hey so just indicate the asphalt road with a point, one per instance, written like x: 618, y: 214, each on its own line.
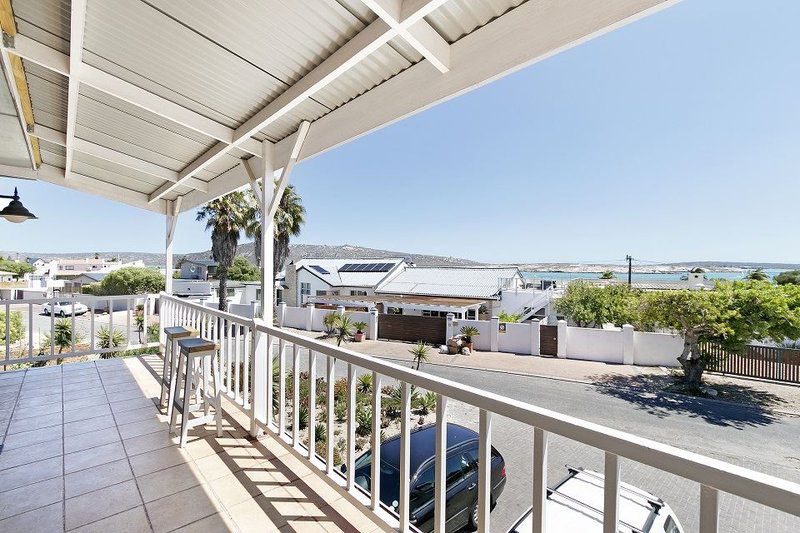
x: 741, y: 435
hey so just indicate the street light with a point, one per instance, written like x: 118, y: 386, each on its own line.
x: 15, y: 212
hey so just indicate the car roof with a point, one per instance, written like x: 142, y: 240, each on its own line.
x: 423, y: 444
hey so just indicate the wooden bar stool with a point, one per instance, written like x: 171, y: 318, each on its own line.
x: 172, y: 335
x: 201, y: 382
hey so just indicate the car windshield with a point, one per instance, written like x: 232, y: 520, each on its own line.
x: 62, y: 303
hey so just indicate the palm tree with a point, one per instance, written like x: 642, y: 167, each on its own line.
x: 110, y: 338
x: 62, y: 337
x: 344, y: 329
x: 225, y: 217
x: 289, y: 219
x: 420, y: 353
x: 757, y: 275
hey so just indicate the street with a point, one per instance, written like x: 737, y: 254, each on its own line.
x: 741, y: 435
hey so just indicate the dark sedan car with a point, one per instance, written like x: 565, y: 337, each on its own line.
x: 462, y: 476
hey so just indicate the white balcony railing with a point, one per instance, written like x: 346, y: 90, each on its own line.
x: 28, y: 335
x: 248, y: 348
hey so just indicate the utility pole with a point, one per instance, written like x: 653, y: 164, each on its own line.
x: 629, y: 259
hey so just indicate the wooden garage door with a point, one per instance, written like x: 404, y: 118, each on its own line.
x: 548, y: 340
x: 429, y: 329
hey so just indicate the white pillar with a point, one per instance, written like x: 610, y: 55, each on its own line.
x: 449, y: 330
x: 281, y: 314
x: 172, y: 221
x: 261, y: 364
x: 562, y: 339
x: 267, y: 232
x: 627, y: 345
x: 535, y: 337
x: 372, y: 333
x: 339, y: 309
x: 309, y: 317
x: 494, y: 334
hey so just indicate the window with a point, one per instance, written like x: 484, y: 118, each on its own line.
x: 230, y: 292
x: 69, y: 267
x: 305, y: 289
x: 358, y: 293
x: 670, y: 526
x: 443, y: 314
x: 471, y: 314
x: 422, y: 492
x: 394, y: 311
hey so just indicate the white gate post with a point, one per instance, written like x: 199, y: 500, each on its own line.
x: 281, y: 314
x: 627, y: 345
x: 372, y: 330
x: 339, y: 309
x: 535, y: 337
x: 309, y: 317
x: 449, y: 330
x: 494, y: 334
x: 260, y: 360
x: 562, y: 339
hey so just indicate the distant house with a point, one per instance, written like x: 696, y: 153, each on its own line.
x: 311, y: 277
x: 201, y: 269
x: 76, y: 284
x: 6, y: 276
x: 36, y: 262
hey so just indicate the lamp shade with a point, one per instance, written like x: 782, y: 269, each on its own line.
x: 15, y: 211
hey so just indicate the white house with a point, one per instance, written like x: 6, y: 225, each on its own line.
x: 347, y: 277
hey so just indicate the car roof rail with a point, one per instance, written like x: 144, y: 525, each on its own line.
x: 657, y: 504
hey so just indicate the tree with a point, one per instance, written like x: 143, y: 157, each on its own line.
x: 419, y: 353
x: 344, y: 329
x: 225, y: 217
x: 109, y: 338
x: 243, y: 270
x: 590, y: 306
x: 607, y: 274
x: 508, y: 317
x: 732, y: 315
x: 127, y: 280
x: 289, y: 219
x: 62, y: 337
x: 757, y: 275
x: 16, y: 328
x: 18, y: 268
x: 790, y: 277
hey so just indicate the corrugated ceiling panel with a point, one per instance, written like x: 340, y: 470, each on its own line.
x: 457, y: 18
x: 114, y: 178
x: 288, y: 123
x: 131, y: 125
x: 46, y: 21
x: 376, y: 68
x: 48, y: 95
x: 53, y: 154
x: 146, y: 181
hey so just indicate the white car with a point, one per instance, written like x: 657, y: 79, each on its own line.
x: 64, y: 308
x: 576, y: 504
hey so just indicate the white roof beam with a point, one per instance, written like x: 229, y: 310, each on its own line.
x: 299, y: 140
x: 251, y: 176
x: 107, y: 154
x: 349, y: 55
x: 85, y: 184
x: 8, y: 70
x: 77, y: 22
x: 517, y: 39
x: 415, y: 31
x: 52, y: 59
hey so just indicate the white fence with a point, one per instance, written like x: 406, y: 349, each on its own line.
x: 311, y: 319
x: 29, y: 335
x: 250, y: 347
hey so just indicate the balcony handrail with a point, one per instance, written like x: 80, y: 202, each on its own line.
x: 712, y: 474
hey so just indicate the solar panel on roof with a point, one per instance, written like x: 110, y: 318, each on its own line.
x: 366, y: 267
x: 319, y: 269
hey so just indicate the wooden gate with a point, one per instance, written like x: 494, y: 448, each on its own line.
x: 766, y: 362
x: 429, y: 329
x: 548, y: 340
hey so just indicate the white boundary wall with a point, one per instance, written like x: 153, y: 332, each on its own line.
x: 311, y: 319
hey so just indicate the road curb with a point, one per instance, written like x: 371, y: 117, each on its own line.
x: 587, y: 382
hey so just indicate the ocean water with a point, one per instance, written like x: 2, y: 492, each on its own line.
x: 660, y: 276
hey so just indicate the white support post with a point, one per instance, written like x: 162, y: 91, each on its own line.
x: 282, y: 314
x: 484, y: 470
x: 309, y: 317
x: 372, y: 333
x: 440, y: 496
x: 494, y: 334
x: 628, y: 355
x: 405, y: 458
x: 267, y: 233
x: 261, y: 367
x: 173, y: 209
x: 77, y: 20
x: 709, y: 509
x: 449, y: 327
x: 535, y: 337
x: 611, y: 494
x: 562, y: 339
x: 539, y: 480
x: 375, y: 502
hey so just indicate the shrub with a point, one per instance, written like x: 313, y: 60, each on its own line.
x: 363, y: 421
x: 108, y: 338
x: 364, y: 385
x: 426, y: 403
x: 128, y: 280
x: 329, y: 323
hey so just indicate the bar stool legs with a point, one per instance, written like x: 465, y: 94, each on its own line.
x: 200, y: 381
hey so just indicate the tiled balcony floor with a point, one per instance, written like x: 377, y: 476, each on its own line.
x: 86, y: 449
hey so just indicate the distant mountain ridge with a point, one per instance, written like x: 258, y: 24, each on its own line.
x: 296, y: 251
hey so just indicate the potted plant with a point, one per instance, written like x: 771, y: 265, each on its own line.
x: 360, y: 329
x: 468, y: 333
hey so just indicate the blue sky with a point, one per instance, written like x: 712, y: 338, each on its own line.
x: 674, y: 138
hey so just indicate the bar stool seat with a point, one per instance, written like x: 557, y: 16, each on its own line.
x: 172, y: 335
x: 196, y: 369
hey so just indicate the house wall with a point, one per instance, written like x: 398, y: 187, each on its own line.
x: 304, y: 276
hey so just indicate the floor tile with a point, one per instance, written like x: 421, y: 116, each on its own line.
x: 29, y: 473
x: 91, y: 411
x: 134, y: 415
x: 97, y: 477
x: 37, y: 422
x: 85, y: 401
x: 217, y: 523
x: 29, y: 497
x: 83, y: 393
x: 42, y: 520
x: 100, y: 504
x: 257, y: 515
x: 93, y: 457
x: 40, y: 400
x: 86, y: 426
x: 30, y: 454
x: 142, y: 427
x: 182, y: 508
x: 148, y: 442
x: 130, y: 521
x: 27, y: 438
x: 168, y: 481
x: 130, y: 405
x: 92, y: 439
x: 146, y: 463
x: 37, y: 410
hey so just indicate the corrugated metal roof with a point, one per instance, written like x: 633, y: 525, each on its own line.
x: 47, y: 21
x: 53, y: 154
x: 48, y: 92
x: 457, y: 18
x: 457, y: 282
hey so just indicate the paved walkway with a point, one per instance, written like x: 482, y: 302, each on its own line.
x: 781, y: 397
